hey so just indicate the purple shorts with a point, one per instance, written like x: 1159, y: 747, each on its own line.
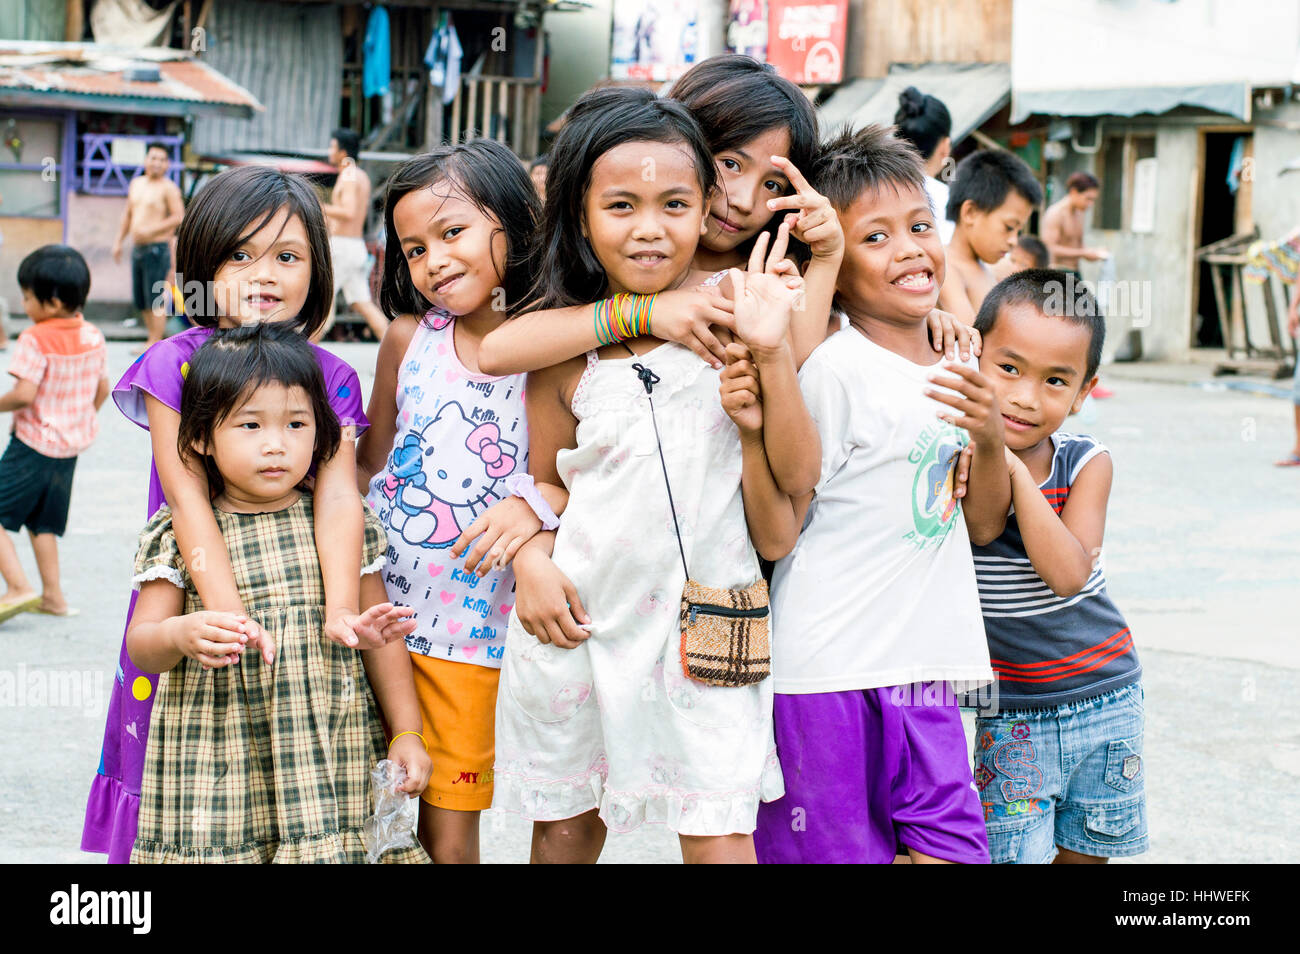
x: 867, y: 778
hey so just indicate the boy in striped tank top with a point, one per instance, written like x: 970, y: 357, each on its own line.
x: 1059, y: 767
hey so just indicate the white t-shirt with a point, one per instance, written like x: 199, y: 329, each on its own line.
x: 938, y: 193
x: 880, y: 590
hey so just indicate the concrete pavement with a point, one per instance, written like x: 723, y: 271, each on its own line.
x: 1202, y: 552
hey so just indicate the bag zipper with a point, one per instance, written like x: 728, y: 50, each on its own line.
x: 709, y: 609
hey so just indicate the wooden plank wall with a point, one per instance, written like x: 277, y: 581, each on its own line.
x: 883, y: 32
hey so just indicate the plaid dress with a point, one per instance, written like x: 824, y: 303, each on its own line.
x: 257, y: 763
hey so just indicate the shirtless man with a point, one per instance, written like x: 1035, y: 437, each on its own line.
x: 346, y: 213
x: 1063, y: 224
x: 153, y: 211
x: 990, y: 199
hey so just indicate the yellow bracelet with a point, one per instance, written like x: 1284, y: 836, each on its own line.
x: 408, y: 732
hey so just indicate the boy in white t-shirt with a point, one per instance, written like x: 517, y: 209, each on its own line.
x: 876, y: 611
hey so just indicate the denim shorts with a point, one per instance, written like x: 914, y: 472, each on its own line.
x: 1070, y: 776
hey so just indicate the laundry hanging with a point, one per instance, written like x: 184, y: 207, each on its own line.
x: 376, y: 69
x: 443, y: 57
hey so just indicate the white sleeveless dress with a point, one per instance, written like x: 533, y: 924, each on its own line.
x: 616, y: 724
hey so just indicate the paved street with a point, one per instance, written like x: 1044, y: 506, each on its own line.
x: 1202, y: 553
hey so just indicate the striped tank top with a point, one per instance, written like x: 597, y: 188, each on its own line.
x: 1049, y: 650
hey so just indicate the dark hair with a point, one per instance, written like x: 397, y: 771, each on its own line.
x: 867, y: 160
x: 1082, y: 182
x: 348, y: 141
x: 567, y: 270
x: 159, y: 145
x: 56, y: 271
x: 735, y: 98
x: 985, y: 178
x: 1035, y: 247
x: 229, y: 367
x: 1045, y: 289
x: 541, y: 161
x: 226, y: 213
x: 712, y: 90
x: 922, y: 120
x: 489, y: 176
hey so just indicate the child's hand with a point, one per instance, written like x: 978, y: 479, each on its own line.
x: 816, y: 225
x: 409, y: 752
x: 212, y: 639
x: 502, y: 529
x: 981, y: 415
x: 547, y: 603
x: 338, y: 629
x: 765, y: 295
x: 948, y: 336
x: 684, y: 316
x: 741, y: 397
x: 381, y: 624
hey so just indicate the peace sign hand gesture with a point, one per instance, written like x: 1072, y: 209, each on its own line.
x: 816, y: 225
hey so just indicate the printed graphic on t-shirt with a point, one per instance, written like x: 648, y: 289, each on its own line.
x: 446, y: 471
x: 934, y: 454
x: 459, y: 436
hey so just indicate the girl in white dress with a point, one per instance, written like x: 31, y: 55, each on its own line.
x: 598, y: 726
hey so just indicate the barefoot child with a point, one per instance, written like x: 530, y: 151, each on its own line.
x: 264, y: 755
x: 598, y: 724
x: 61, y: 381
x: 991, y: 199
x: 445, y: 461
x: 252, y: 248
x: 1059, y: 768
x: 876, y: 610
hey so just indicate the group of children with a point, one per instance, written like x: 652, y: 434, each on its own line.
x: 716, y: 342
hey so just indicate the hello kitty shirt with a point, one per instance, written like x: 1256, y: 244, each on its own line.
x: 459, y: 436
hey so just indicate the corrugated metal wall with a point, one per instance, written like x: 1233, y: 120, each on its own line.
x: 290, y: 56
x: 33, y: 20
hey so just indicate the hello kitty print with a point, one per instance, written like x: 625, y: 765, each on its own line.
x: 459, y: 435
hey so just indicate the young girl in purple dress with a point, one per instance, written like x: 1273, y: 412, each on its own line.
x: 253, y: 247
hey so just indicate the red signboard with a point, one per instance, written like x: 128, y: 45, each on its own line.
x: 805, y: 39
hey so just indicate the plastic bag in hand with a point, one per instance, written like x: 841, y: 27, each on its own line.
x: 393, y: 823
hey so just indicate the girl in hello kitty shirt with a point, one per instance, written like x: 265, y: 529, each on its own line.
x: 445, y: 463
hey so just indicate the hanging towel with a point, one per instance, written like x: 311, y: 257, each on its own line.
x: 1280, y: 257
x: 1235, y: 163
x: 443, y: 56
x: 376, y: 69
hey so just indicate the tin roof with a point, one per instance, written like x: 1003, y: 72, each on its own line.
x: 98, y: 78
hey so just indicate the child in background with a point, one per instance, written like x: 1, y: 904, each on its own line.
x: 448, y: 453
x: 876, y: 608
x: 60, y: 369
x: 248, y: 763
x: 1030, y: 252
x: 252, y: 247
x: 598, y: 725
x: 992, y: 197
x: 1059, y: 768
x: 537, y: 174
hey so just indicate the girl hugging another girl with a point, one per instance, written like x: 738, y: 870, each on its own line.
x: 598, y: 723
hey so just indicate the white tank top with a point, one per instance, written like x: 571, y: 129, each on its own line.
x: 459, y: 435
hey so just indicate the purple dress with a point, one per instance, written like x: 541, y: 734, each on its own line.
x: 114, y: 802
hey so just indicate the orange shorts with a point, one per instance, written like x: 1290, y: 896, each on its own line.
x: 458, y: 704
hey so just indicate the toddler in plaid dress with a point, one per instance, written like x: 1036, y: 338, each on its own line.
x: 265, y: 756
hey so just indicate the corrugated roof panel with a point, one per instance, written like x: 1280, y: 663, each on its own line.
x: 71, y: 74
